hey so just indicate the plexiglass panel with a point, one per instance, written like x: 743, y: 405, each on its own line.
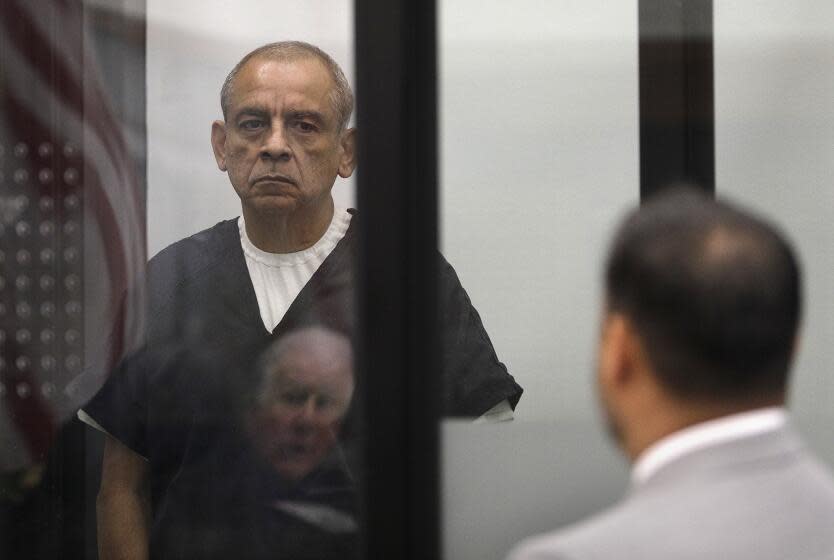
x: 539, y: 157
x: 215, y: 383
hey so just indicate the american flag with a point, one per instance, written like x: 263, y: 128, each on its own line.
x: 72, y: 227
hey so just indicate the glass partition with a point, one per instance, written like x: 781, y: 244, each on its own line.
x: 200, y: 405
x: 539, y: 135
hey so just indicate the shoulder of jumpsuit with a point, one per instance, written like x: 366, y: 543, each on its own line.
x: 189, y: 258
x: 352, y: 235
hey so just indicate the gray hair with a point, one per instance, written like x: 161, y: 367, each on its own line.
x: 327, y: 345
x: 341, y: 95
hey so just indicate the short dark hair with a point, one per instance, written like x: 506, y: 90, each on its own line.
x: 341, y: 95
x: 714, y: 293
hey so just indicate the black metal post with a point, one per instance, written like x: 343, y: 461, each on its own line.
x: 397, y: 199
x: 677, y: 124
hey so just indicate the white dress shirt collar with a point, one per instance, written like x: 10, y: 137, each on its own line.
x: 705, y: 434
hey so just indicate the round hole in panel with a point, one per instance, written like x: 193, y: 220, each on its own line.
x: 45, y: 176
x: 72, y: 202
x: 23, y: 390
x: 22, y: 282
x: 73, y: 308
x: 45, y: 149
x: 20, y: 176
x: 48, y: 363
x: 23, y: 257
x: 47, y: 256
x: 70, y: 176
x: 23, y: 229
x: 46, y: 228
x: 47, y: 336
x: 48, y: 389
x: 47, y: 283
x: 73, y: 363
x: 23, y: 310
x: 23, y: 336
x: 48, y: 309
x: 46, y: 204
x: 21, y: 150
x: 71, y: 282
x: 72, y: 337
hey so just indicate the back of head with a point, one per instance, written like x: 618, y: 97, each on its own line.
x: 714, y: 294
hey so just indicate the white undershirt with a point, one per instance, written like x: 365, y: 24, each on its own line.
x: 706, y: 434
x: 279, y: 277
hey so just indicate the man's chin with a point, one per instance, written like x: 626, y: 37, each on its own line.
x: 293, y: 470
x: 273, y: 204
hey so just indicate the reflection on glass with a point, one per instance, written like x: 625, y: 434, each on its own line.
x: 305, y: 391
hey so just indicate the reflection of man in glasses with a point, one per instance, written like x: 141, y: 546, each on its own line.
x: 305, y: 392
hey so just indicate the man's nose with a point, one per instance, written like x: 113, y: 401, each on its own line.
x: 307, y: 413
x: 275, y: 145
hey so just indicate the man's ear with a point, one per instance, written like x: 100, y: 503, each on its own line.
x: 618, y: 350
x: 218, y: 143
x: 347, y: 161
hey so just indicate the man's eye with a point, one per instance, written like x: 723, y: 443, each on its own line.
x: 304, y: 126
x: 251, y: 125
x: 293, y: 398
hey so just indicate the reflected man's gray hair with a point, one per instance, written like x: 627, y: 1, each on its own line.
x: 326, y: 345
x: 341, y: 95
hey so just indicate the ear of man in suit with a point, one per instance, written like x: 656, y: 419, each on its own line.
x: 703, y: 302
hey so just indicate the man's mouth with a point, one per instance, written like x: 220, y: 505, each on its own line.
x: 287, y: 451
x: 274, y: 179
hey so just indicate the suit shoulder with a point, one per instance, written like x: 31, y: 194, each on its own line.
x: 584, y: 539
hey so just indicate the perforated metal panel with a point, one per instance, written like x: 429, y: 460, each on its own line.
x: 41, y: 268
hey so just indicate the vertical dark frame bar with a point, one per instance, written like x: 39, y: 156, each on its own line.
x: 677, y: 121
x: 397, y: 198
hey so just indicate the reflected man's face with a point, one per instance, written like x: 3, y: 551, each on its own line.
x: 282, y: 145
x: 299, y: 413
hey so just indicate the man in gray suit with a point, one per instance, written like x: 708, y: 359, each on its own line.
x: 700, y: 324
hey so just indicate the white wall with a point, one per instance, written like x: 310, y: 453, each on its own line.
x: 774, y: 100
x: 539, y: 157
x: 192, y: 45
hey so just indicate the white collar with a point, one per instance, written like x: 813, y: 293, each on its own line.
x: 705, y: 434
x: 335, y: 232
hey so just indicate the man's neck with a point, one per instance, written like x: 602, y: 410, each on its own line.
x: 290, y: 232
x: 673, y: 416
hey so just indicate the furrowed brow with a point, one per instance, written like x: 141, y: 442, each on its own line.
x: 252, y: 112
x: 314, y: 116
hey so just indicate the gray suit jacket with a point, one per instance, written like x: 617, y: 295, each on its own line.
x: 763, y: 497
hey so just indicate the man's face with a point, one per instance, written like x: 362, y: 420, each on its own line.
x: 297, y: 419
x: 281, y: 144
